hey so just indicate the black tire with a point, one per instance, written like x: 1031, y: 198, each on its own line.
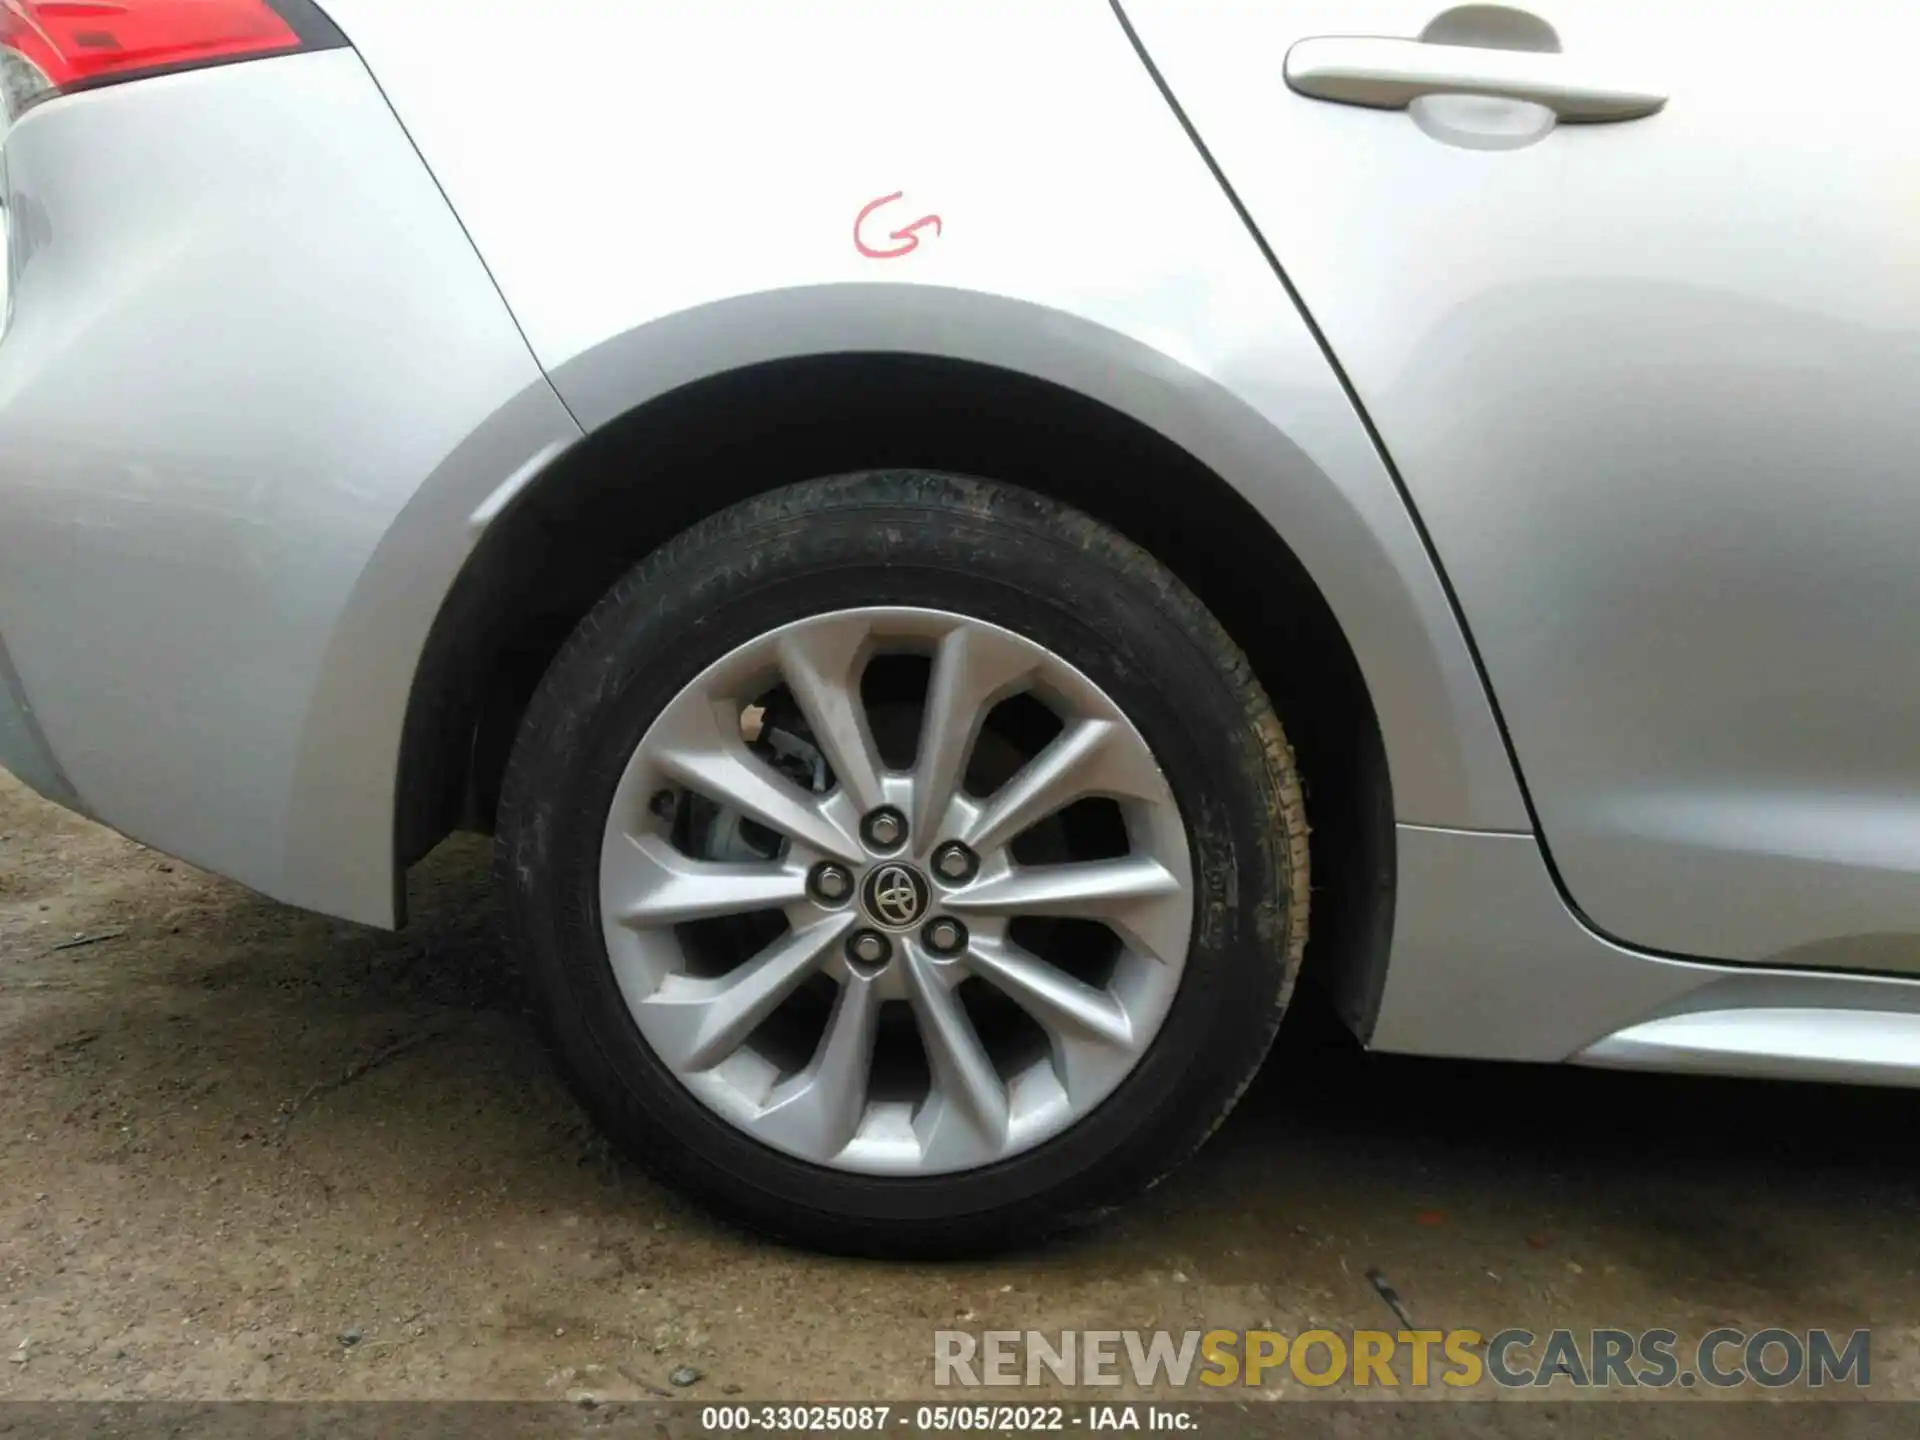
x: 999, y: 554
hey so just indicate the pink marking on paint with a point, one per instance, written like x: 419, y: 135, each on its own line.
x: 909, y: 235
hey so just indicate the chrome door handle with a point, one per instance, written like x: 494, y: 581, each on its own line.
x: 1388, y: 74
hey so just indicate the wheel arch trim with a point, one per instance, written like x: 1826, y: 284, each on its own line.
x: 1297, y: 452
x: 1329, y: 499
x: 340, y: 838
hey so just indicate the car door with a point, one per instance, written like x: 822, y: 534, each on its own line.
x: 1649, y: 375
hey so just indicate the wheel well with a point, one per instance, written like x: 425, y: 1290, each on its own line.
x: 659, y: 468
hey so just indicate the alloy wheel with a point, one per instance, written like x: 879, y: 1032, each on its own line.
x: 896, y: 891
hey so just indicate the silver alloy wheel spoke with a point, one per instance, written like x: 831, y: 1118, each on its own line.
x: 1057, y: 1001
x: 974, y: 668
x: 693, y: 747
x: 705, y: 1021
x: 838, y: 1083
x: 820, y: 1110
x: 1089, y: 757
x: 1136, y: 896
x: 821, y: 664
x: 1088, y: 1031
x: 963, y: 1074
x: 657, y: 885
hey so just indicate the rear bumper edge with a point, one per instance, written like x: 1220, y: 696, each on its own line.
x: 23, y: 749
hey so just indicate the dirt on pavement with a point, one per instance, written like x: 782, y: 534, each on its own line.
x: 247, y: 1151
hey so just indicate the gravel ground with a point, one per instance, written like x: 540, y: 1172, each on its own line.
x: 250, y: 1152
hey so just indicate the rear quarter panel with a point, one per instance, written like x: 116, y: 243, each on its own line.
x: 664, y: 192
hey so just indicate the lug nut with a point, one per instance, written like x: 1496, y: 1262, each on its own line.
x: 945, y: 937
x: 869, y: 947
x: 831, y: 884
x: 954, y: 861
x: 885, y: 828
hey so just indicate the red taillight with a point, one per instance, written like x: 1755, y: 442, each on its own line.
x: 49, y: 47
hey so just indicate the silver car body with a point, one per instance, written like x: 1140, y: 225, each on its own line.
x: 1591, y: 437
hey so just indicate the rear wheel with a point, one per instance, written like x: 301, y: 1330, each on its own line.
x: 905, y: 864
